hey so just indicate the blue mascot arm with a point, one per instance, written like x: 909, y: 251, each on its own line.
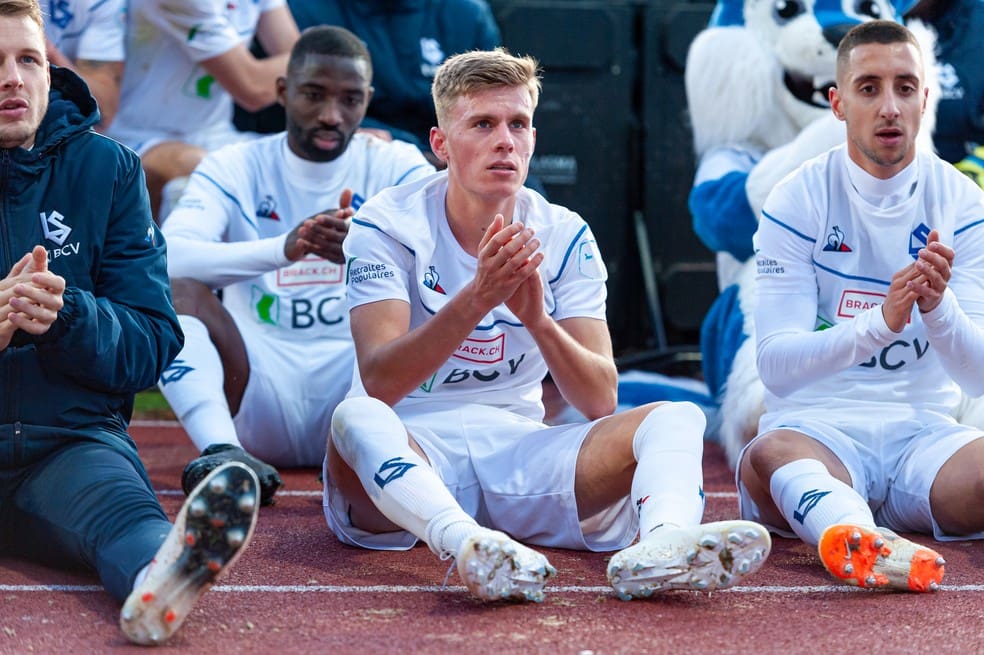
x: 722, y: 217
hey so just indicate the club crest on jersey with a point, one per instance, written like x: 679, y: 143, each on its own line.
x: 835, y: 241
x: 61, y: 13
x: 918, y: 239
x: 589, y: 260
x: 432, y: 281
x: 267, y: 209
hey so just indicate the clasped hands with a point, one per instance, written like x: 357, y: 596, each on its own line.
x: 30, y: 297
x: 921, y: 282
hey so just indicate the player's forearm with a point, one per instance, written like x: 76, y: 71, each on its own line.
x: 256, y: 87
x: 789, y: 359
x: 585, y: 374
x: 958, y: 342
x: 104, y: 79
x: 219, y: 264
x: 392, y: 369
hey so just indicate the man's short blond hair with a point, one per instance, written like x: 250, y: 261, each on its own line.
x: 18, y: 8
x: 468, y: 72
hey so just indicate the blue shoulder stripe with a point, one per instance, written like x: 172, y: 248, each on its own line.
x: 860, y: 278
x: 373, y: 226
x: 968, y: 226
x: 404, y: 176
x: 786, y: 227
x: 567, y: 255
x: 231, y: 197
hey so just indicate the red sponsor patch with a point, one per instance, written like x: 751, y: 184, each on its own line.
x: 311, y: 270
x: 482, y: 351
x: 853, y: 303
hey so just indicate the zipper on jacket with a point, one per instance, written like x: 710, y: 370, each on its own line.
x: 4, y: 180
x: 18, y: 446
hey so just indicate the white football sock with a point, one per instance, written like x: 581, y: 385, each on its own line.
x: 372, y: 440
x: 811, y: 499
x: 193, y: 387
x: 667, y: 485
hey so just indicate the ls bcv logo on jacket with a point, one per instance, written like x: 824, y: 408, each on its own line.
x: 57, y: 231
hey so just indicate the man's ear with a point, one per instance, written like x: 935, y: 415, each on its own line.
x: 836, y: 103
x: 282, y: 91
x: 439, y: 143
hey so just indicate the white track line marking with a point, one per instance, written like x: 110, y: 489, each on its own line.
x: 418, y: 589
x: 149, y: 423
x: 177, y: 492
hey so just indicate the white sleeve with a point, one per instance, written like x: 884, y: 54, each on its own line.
x: 202, y: 28
x: 579, y: 288
x: 103, y: 36
x: 958, y: 342
x: 956, y: 326
x: 379, y: 266
x: 791, y: 352
x: 196, y: 236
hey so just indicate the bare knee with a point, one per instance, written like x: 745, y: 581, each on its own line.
x: 958, y: 491
x: 774, y: 449
x: 362, y: 512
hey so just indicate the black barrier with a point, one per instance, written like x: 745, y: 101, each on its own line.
x: 685, y: 269
x: 614, y: 144
x: 586, y: 128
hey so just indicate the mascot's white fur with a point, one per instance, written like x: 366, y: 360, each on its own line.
x: 757, y: 81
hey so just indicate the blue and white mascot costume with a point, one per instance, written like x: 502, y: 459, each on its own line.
x: 757, y: 81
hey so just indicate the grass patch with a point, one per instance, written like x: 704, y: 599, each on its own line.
x: 150, y: 405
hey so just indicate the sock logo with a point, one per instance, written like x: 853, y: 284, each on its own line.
x: 177, y: 370
x: 640, y: 503
x: 807, y: 502
x: 391, y: 469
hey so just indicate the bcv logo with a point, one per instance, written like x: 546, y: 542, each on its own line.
x: 54, y: 229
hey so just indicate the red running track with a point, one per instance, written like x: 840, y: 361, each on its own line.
x: 297, y: 590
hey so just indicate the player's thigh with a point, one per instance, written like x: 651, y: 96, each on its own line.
x: 292, y: 391
x: 527, y: 475
x: 81, y: 501
x: 939, y: 487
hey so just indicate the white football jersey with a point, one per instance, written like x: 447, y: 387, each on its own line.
x: 164, y: 89
x: 820, y: 238
x: 86, y: 29
x: 230, y: 226
x: 401, y: 247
